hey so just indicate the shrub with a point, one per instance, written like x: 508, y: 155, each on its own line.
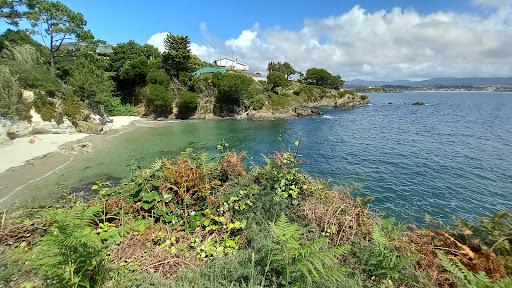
x: 70, y: 255
x: 11, y: 101
x: 277, y: 79
x: 72, y: 108
x: 158, y: 99
x: 279, y: 102
x: 310, y: 262
x: 187, y: 103
x: 25, y: 62
x: 159, y: 77
x: 44, y: 106
x: 114, y: 107
x: 231, y: 88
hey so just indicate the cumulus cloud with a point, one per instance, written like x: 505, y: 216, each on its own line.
x: 384, y: 44
x: 157, y: 40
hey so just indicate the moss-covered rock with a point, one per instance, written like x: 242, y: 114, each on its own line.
x: 88, y: 127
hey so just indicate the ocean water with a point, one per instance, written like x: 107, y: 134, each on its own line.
x: 449, y: 158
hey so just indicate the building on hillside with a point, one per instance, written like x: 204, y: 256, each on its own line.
x: 209, y: 70
x: 229, y: 63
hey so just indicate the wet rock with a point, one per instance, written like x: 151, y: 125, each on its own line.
x: 418, y: 103
x: 89, y: 127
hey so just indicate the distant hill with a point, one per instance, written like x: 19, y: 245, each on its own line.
x: 473, y: 81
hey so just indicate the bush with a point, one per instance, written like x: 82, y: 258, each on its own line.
x: 70, y: 255
x: 27, y: 65
x: 231, y: 88
x: 277, y: 79
x: 279, y: 102
x: 44, y: 106
x: 187, y: 104
x: 114, y: 107
x: 158, y: 99
x: 159, y: 77
x: 72, y: 107
x: 11, y: 101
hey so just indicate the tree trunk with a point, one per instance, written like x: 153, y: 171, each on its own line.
x: 52, y: 56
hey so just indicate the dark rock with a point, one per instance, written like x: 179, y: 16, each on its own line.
x: 418, y: 103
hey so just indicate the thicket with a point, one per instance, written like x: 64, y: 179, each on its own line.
x: 212, y: 221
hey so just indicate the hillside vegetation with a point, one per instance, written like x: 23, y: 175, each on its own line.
x: 212, y: 221
x: 74, y: 75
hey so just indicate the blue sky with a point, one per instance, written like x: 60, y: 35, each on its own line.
x: 375, y: 40
x: 119, y: 21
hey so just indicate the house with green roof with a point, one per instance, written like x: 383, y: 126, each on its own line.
x: 209, y: 70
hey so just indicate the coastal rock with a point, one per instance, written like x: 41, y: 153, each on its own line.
x: 19, y: 129
x: 89, y: 127
x: 39, y: 126
x: 4, y: 128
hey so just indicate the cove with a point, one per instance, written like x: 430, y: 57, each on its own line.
x: 449, y: 158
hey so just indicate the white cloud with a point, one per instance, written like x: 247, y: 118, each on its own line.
x: 383, y: 44
x: 246, y: 39
x: 204, y: 52
x: 157, y: 40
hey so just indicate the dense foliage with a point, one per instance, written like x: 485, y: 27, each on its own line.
x: 133, y: 79
x: 187, y: 103
x: 209, y: 221
x: 323, y: 78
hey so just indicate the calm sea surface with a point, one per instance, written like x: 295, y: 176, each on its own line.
x: 450, y: 158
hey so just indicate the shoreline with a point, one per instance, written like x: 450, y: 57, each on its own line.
x: 20, y: 151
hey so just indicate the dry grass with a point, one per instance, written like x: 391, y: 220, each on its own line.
x: 428, y: 242
x: 145, y: 250
x: 231, y: 165
x: 337, y: 215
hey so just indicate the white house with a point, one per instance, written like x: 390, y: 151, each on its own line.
x: 229, y: 63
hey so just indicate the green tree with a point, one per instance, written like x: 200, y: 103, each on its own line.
x: 284, y: 68
x: 322, y: 77
x: 157, y: 99
x: 187, y: 104
x: 90, y: 83
x: 277, y: 79
x: 177, y: 55
x: 12, y: 11
x: 55, y: 23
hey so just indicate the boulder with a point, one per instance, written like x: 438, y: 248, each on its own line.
x: 89, y: 127
x: 4, y: 128
x: 19, y: 129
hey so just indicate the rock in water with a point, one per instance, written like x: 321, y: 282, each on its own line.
x: 418, y: 103
x: 89, y: 127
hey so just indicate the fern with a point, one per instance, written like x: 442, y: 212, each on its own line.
x: 468, y: 279
x: 309, y: 262
x: 71, y: 254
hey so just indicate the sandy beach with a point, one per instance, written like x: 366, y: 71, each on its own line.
x: 21, y: 150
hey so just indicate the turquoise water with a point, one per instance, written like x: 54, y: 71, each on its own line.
x: 450, y: 158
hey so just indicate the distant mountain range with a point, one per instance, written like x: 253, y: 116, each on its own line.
x: 474, y: 81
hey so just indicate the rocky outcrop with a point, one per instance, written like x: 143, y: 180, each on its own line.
x: 35, y: 126
x: 89, y: 127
